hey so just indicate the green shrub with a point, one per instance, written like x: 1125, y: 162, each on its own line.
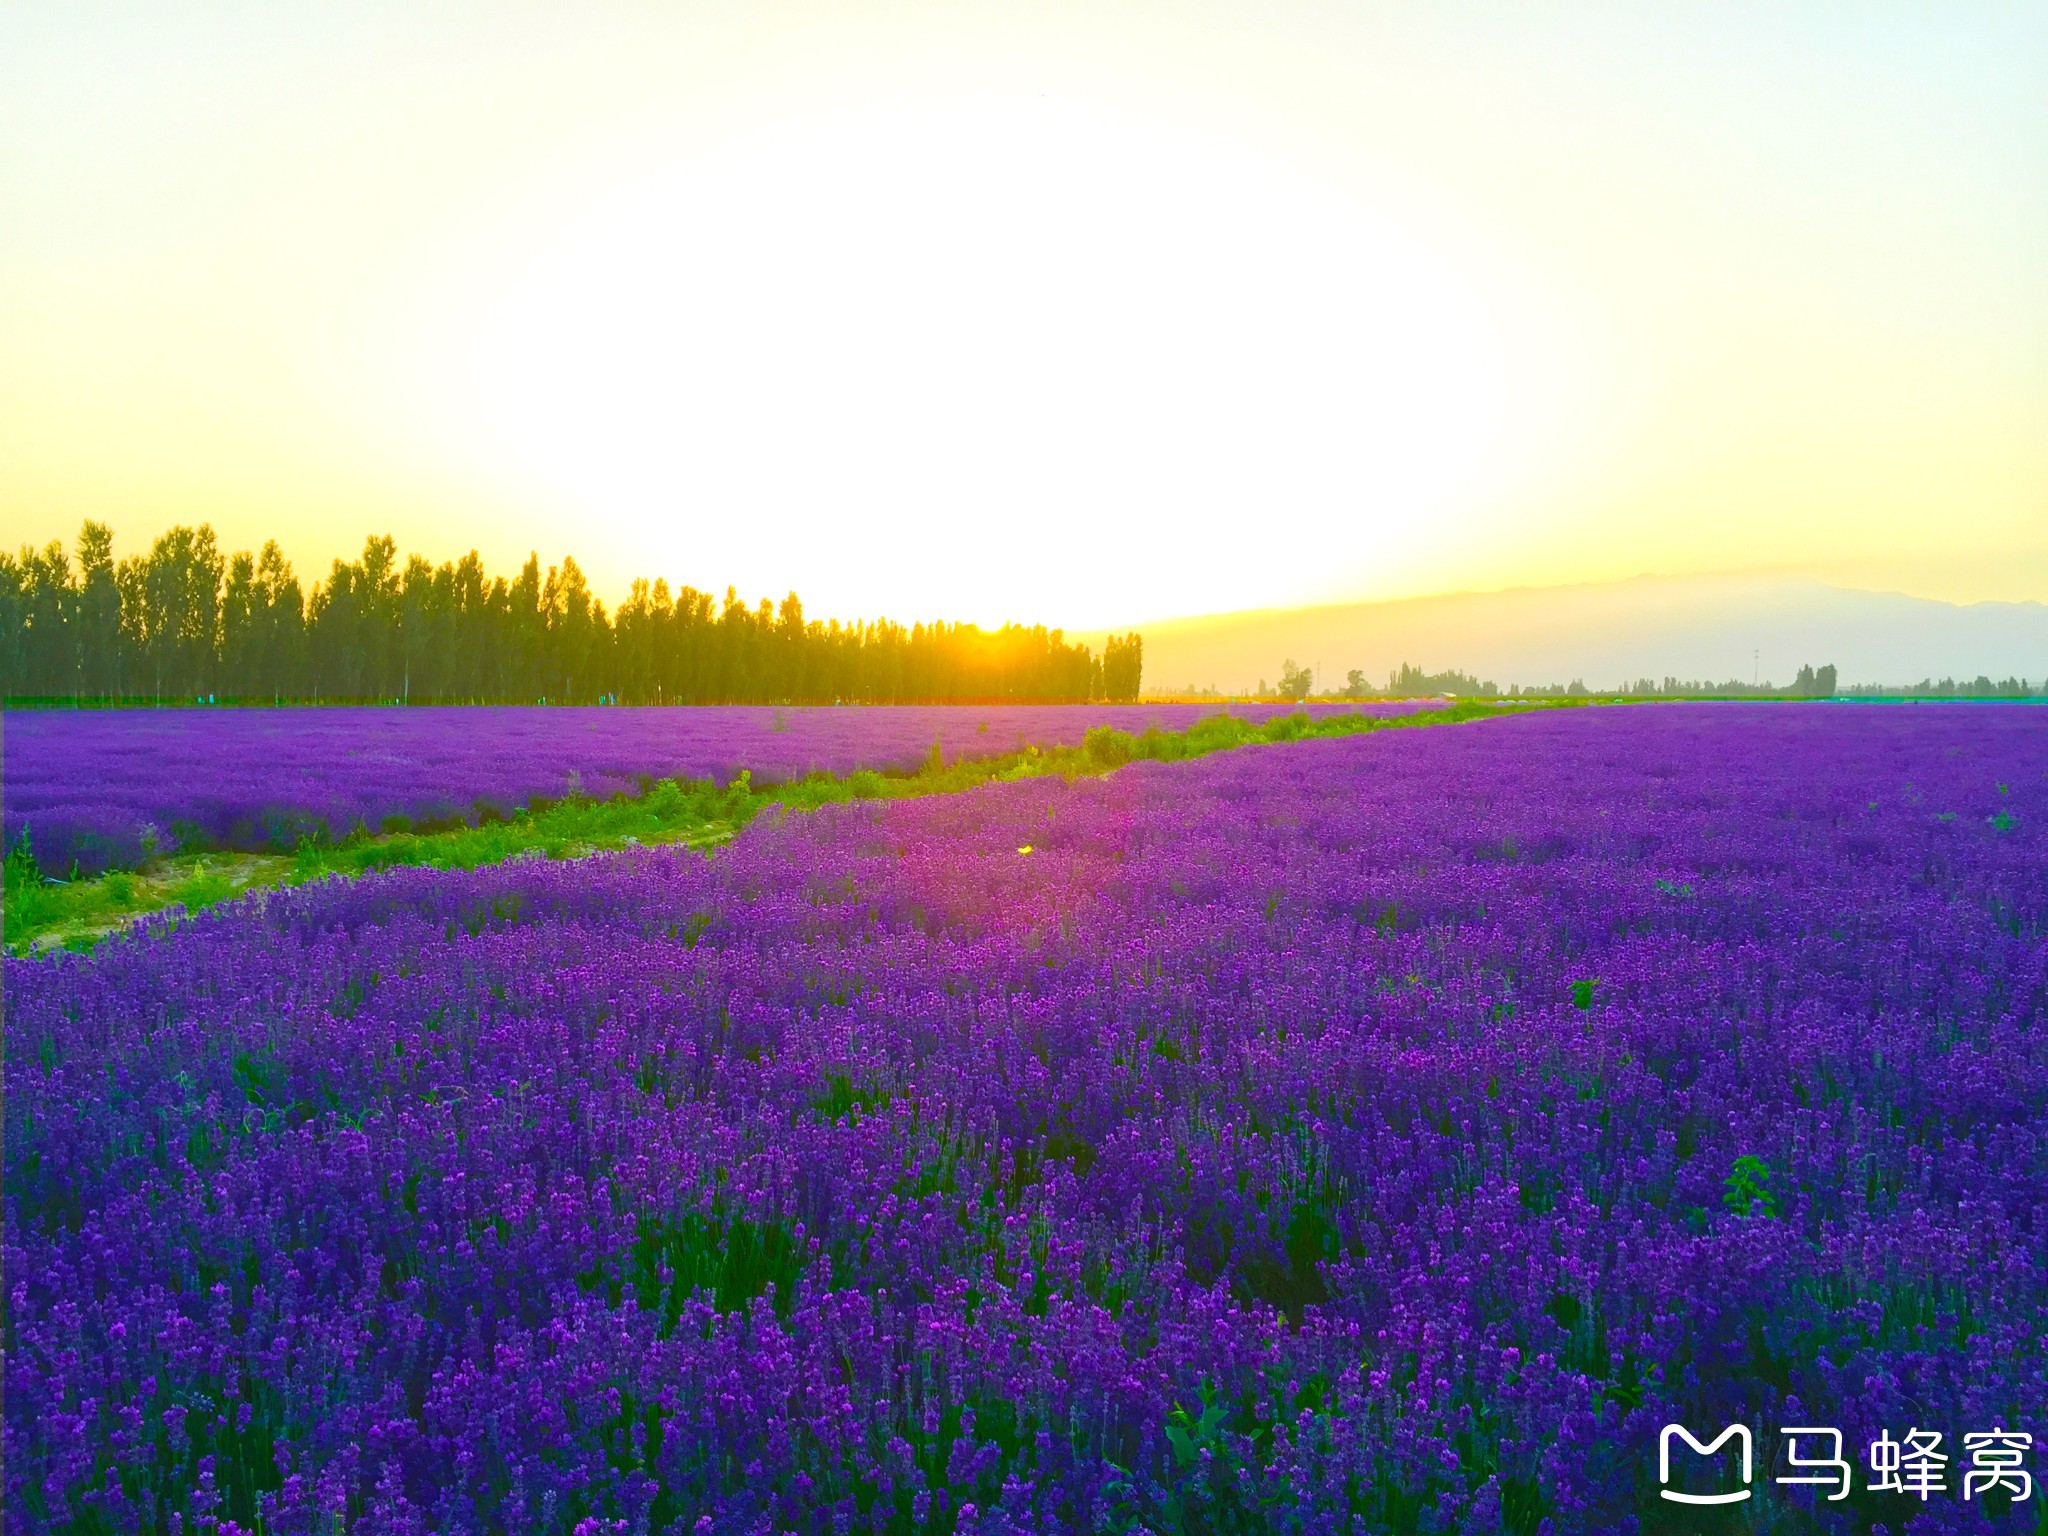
x: 1109, y: 746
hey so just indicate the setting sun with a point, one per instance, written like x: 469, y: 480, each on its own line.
x: 1021, y: 352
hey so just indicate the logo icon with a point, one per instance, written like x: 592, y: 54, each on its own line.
x: 1739, y: 1433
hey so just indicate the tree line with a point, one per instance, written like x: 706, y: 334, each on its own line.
x: 1409, y: 681
x: 187, y: 623
x: 1979, y: 687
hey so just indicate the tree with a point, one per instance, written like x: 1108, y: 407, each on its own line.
x: 282, y: 668
x: 99, y: 613
x: 241, y: 620
x: 1295, y: 682
x: 1123, y: 667
x: 170, y: 611
x: 1812, y: 684
x: 46, y: 606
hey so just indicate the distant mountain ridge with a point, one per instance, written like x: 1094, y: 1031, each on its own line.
x: 1712, y: 628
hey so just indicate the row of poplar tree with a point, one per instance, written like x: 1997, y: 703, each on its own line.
x: 186, y: 623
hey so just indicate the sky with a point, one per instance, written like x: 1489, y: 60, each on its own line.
x: 1077, y: 314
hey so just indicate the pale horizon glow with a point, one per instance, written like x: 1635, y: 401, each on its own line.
x: 1034, y: 312
x: 1026, y: 347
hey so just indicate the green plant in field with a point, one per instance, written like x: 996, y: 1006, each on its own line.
x: 24, y: 891
x: 1191, y: 1434
x: 1582, y: 993
x: 1748, y: 1190
x: 22, y: 868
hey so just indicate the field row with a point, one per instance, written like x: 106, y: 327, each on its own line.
x: 75, y: 913
x: 93, y: 790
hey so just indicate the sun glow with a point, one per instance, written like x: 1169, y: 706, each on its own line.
x: 995, y: 358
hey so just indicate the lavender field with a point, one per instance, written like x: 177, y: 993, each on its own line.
x: 1381, y: 1134
x: 103, y: 789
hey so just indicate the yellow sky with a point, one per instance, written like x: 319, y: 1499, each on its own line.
x: 1078, y: 313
